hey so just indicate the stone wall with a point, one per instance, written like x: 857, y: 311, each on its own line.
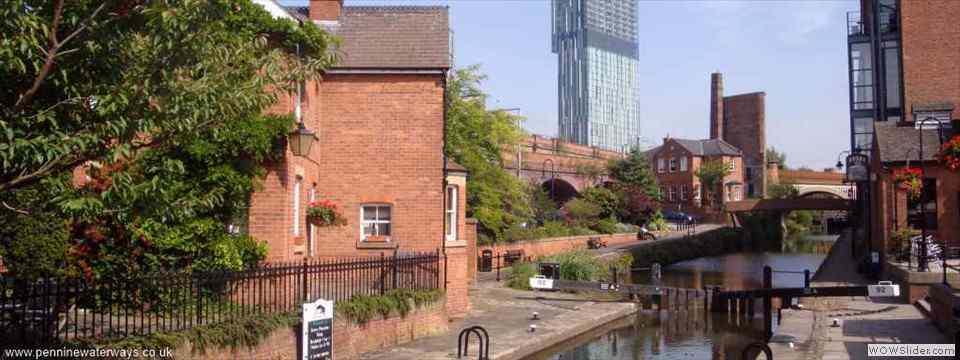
x: 942, y: 302
x: 709, y: 243
x: 349, y: 338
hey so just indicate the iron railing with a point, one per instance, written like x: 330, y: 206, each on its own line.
x: 45, y: 310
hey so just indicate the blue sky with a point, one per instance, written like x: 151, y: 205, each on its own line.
x: 794, y: 50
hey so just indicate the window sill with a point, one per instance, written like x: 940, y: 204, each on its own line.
x: 376, y: 245
x: 455, y: 243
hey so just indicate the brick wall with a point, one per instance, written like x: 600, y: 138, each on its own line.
x: 349, y: 339
x: 931, y: 44
x: 546, y: 247
x: 667, y: 179
x: 380, y: 141
x: 744, y: 118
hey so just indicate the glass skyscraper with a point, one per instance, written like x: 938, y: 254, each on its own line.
x: 596, y: 45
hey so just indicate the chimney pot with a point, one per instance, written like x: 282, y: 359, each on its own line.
x: 325, y: 10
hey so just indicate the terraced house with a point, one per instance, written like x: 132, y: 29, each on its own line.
x: 676, y: 163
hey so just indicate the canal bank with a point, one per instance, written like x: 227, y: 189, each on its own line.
x: 809, y: 333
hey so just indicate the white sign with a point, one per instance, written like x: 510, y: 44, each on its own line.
x: 883, y: 289
x: 317, y: 332
x: 875, y: 256
x: 541, y: 282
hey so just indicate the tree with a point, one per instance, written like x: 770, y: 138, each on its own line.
x: 475, y: 139
x: 610, y: 203
x: 782, y: 191
x: 779, y: 157
x: 101, y: 80
x: 162, y: 105
x: 711, y: 174
x: 634, y: 172
x: 592, y: 172
x: 542, y: 207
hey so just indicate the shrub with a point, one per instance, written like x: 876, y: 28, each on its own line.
x: 657, y: 222
x: 606, y: 226
x: 610, y: 203
x: 553, y: 229
x: 520, y: 273
x: 362, y: 308
x: 580, y: 212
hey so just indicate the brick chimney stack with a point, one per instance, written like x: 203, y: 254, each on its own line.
x: 325, y: 10
x: 716, y: 106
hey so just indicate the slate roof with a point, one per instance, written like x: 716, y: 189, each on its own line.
x: 390, y: 37
x: 710, y: 147
x: 896, y: 143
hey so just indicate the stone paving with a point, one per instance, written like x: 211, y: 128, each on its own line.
x: 808, y: 334
x: 506, y: 315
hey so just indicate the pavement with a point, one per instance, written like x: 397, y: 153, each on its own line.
x: 506, y: 315
x: 809, y: 334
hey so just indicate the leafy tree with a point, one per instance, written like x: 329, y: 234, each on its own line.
x: 778, y: 157
x: 475, y: 139
x: 580, y: 212
x: 161, y: 103
x: 610, y: 203
x: 639, y: 207
x: 543, y: 208
x: 782, y: 191
x: 711, y: 174
x: 591, y: 172
x: 634, y: 172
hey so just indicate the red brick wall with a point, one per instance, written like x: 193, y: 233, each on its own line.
x: 745, y: 127
x: 380, y: 141
x: 349, y: 339
x: 931, y: 44
x: 470, y: 235
x: 458, y: 281
x: 666, y: 179
x: 546, y: 247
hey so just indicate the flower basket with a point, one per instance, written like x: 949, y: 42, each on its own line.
x: 909, y: 179
x: 949, y: 154
x: 325, y: 213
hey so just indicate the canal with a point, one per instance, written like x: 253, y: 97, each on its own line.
x: 696, y: 334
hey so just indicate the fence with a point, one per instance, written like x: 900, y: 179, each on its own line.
x: 488, y: 261
x: 72, y: 309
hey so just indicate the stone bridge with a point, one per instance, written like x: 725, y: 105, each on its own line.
x: 816, y: 184
x: 563, y: 169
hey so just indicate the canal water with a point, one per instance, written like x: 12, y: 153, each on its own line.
x: 696, y: 334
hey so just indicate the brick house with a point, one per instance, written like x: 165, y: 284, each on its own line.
x: 910, y: 77
x: 379, y: 117
x: 676, y: 162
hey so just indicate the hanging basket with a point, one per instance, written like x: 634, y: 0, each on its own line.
x: 325, y: 213
x: 909, y: 180
x: 949, y: 154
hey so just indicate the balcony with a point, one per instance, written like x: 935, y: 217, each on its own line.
x: 856, y: 26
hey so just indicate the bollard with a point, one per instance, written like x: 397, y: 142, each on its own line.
x: 806, y: 278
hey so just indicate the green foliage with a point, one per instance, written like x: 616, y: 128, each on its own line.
x: 899, y: 244
x: 782, y: 191
x: 657, y: 222
x: 591, y: 172
x: 580, y: 265
x: 475, y: 138
x: 779, y: 157
x: 711, y: 174
x: 162, y: 104
x: 520, y: 274
x: 634, y: 172
x: 798, y: 222
x: 33, y: 245
x: 363, y: 308
x: 543, y: 208
x: 610, y: 203
x: 248, y: 332
x: 580, y: 212
x: 606, y: 226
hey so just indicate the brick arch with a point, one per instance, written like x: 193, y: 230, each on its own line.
x: 810, y: 190
x: 560, y: 189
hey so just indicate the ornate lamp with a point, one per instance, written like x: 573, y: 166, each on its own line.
x: 301, y: 140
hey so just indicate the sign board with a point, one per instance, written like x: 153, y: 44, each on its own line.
x: 541, y: 282
x: 883, y: 289
x: 857, y: 167
x: 317, y: 333
x: 875, y: 257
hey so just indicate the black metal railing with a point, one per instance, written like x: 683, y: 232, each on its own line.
x: 488, y: 261
x: 41, y: 310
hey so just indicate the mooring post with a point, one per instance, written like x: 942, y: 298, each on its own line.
x: 767, y: 306
x: 806, y: 278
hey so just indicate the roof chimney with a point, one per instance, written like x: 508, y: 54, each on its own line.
x: 325, y: 10
x: 716, y: 106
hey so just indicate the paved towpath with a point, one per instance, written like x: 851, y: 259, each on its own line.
x: 808, y: 334
x: 506, y: 315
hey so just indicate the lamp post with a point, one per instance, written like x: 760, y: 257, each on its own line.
x: 858, y: 172
x: 922, y: 258
x: 553, y: 175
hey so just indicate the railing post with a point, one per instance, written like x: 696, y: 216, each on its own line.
x: 303, y: 280
x: 383, y: 273
x: 395, y: 267
x: 767, y: 306
x: 498, y: 266
x: 444, y: 270
x: 806, y: 278
x: 199, y: 303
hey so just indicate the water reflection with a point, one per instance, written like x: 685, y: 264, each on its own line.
x: 696, y: 334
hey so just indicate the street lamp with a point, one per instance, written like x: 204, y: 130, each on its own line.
x: 301, y: 140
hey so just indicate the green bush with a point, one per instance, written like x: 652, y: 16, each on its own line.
x: 657, y: 222
x: 363, y: 308
x: 520, y: 273
x: 580, y: 212
x: 610, y: 203
x: 553, y: 229
x: 606, y: 226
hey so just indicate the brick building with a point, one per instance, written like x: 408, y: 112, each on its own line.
x: 379, y: 119
x: 676, y: 162
x: 740, y: 120
x: 903, y: 61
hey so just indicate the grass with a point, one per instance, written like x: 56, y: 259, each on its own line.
x: 577, y: 265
